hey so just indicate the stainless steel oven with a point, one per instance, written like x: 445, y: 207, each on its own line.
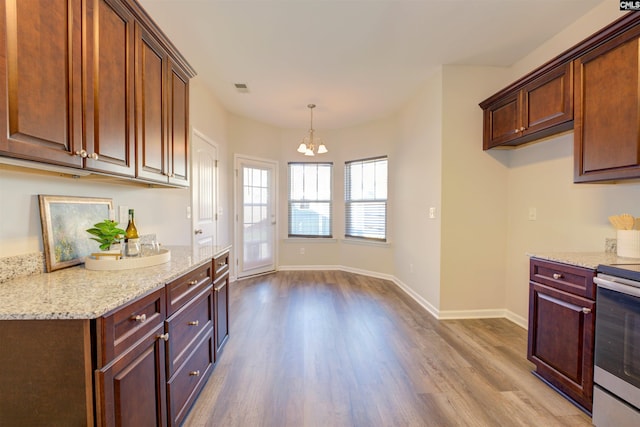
x: 616, y: 394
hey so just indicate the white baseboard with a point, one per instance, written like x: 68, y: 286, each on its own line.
x: 430, y: 308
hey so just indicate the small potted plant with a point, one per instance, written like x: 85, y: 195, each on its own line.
x: 107, y: 234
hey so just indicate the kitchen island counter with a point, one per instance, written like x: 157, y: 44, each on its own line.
x: 78, y: 293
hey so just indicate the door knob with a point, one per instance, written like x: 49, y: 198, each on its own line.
x: 198, y: 231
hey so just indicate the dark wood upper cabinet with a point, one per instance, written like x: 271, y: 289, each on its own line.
x: 178, y: 125
x: 163, y: 114
x: 151, y: 126
x: 607, y: 128
x: 531, y: 110
x: 109, y: 74
x: 93, y: 84
x: 40, y: 80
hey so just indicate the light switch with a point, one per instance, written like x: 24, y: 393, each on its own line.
x: 432, y: 213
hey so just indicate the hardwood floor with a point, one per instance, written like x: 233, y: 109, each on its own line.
x: 330, y: 348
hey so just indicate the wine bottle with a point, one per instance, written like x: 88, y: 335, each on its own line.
x: 131, y: 237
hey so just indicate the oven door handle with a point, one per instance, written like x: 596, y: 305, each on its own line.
x: 617, y: 287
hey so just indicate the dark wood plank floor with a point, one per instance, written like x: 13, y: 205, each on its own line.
x: 331, y: 348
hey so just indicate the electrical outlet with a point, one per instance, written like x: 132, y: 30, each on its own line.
x: 301, y: 251
x: 432, y: 213
x: 188, y: 212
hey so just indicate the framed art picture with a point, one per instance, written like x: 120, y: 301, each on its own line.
x: 65, y: 220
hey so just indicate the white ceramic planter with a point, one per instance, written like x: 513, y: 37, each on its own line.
x: 629, y: 243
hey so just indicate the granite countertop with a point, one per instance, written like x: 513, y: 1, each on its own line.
x: 78, y: 293
x: 585, y: 259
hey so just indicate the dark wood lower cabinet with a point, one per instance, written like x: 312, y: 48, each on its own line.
x: 142, y: 364
x: 131, y: 390
x: 562, y: 328
x: 221, y: 298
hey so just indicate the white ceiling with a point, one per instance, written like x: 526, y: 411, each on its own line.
x: 358, y: 60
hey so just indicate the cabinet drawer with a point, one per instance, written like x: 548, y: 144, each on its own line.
x: 569, y: 278
x: 189, y: 323
x: 184, y: 386
x: 184, y: 288
x: 124, y: 327
x: 220, y: 265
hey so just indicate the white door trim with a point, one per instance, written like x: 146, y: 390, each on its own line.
x: 237, y: 159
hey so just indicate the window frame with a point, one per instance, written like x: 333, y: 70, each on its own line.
x: 291, y: 201
x: 349, y: 202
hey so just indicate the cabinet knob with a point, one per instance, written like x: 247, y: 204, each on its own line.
x: 194, y: 373
x: 522, y: 129
x: 82, y: 153
x: 194, y: 323
x: 164, y: 336
x: 94, y: 156
x: 586, y: 310
x: 193, y: 282
x: 140, y: 318
x: 557, y: 276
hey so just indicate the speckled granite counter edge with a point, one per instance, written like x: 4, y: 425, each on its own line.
x: 16, y: 266
x: 584, y: 259
x: 78, y: 293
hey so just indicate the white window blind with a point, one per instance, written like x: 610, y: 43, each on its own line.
x: 310, y: 199
x: 366, y: 199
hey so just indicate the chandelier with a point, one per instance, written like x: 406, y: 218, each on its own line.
x: 308, y: 144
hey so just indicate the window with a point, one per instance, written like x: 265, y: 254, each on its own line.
x: 310, y: 199
x: 365, y: 196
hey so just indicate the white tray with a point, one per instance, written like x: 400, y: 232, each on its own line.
x: 108, y: 263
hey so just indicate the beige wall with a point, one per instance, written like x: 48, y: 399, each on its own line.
x: 474, y: 189
x: 416, y: 187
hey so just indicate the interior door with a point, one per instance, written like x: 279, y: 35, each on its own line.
x: 255, y: 215
x: 204, y: 192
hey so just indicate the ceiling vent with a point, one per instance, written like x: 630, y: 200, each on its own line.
x: 241, y: 87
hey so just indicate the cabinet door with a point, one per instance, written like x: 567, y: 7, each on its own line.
x: 131, y: 390
x: 502, y: 121
x: 178, y: 126
x: 561, y: 330
x: 151, y: 121
x: 606, y: 138
x: 221, y: 301
x: 40, y: 88
x: 548, y: 101
x: 109, y: 75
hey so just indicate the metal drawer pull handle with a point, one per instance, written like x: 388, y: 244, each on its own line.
x: 586, y: 310
x: 194, y: 373
x: 164, y: 336
x: 194, y: 323
x: 557, y: 276
x: 193, y: 282
x: 219, y: 288
x: 140, y: 318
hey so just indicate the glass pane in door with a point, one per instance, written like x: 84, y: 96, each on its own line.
x: 257, y: 219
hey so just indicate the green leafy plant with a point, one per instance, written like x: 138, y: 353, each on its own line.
x: 107, y: 233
